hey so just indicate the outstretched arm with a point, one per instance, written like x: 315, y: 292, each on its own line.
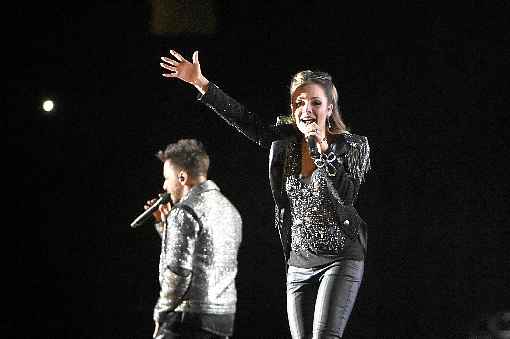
x: 184, y: 70
x: 234, y: 113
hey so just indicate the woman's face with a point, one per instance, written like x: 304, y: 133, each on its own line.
x: 310, y: 105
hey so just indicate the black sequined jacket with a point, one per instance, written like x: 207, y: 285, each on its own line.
x: 347, y: 169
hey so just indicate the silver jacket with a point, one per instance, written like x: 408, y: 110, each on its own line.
x: 198, y: 261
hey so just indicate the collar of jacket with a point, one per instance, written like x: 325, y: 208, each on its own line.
x: 207, y: 185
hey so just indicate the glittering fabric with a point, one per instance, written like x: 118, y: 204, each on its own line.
x: 358, y: 155
x: 352, y: 152
x: 201, y: 240
x: 314, y: 227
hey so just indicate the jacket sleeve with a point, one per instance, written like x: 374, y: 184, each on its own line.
x: 346, y: 162
x: 159, y: 227
x: 176, y: 261
x: 237, y: 116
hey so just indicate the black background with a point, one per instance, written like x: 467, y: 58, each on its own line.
x: 425, y: 83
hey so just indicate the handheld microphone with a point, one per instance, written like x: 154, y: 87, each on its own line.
x: 312, y: 145
x: 142, y: 218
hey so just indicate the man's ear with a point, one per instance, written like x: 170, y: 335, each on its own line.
x: 183, y: 176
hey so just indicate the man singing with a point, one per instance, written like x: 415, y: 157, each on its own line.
x: 200, y: 237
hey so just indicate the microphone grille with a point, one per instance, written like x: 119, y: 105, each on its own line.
x: 165, y: 198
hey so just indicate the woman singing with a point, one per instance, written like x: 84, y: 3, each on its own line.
x: 315, y: 169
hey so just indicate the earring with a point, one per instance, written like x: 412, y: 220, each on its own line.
x: 329, y: 122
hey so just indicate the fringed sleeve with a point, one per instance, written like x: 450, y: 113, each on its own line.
x: 358, y: 156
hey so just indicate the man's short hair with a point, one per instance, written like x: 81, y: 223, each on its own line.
x: 188, y: 155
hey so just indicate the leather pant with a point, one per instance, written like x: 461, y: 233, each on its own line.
x: 320, y: 299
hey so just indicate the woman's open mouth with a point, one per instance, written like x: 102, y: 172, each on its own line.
x: 308, y: 120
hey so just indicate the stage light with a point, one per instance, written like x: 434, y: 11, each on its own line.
x: 48, y: 105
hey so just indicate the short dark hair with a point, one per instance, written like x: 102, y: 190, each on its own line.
x: 188, y: 155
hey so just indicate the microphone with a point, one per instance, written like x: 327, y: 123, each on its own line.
x: 142, y: 218
x: 312, y: 145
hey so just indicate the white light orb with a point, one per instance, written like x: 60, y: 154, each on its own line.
x: 48, y: 105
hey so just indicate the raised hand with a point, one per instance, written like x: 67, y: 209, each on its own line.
x: 184, y: 70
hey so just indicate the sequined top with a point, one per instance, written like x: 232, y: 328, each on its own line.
x: 314, y: 229
x: 199, y: 247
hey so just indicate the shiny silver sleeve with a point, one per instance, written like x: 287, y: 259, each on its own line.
x: 159, y: 227
x: 173, y: 289
x: 176, y: 261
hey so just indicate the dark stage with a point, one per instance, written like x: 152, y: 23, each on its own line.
x: 424, y: 82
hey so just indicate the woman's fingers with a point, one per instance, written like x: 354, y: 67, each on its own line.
x: 309, y: 128
x: 177, y: 55
x: 169, y: 75
x: 170, y: 61
x: 312, y: 129
x: 168, y: 67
